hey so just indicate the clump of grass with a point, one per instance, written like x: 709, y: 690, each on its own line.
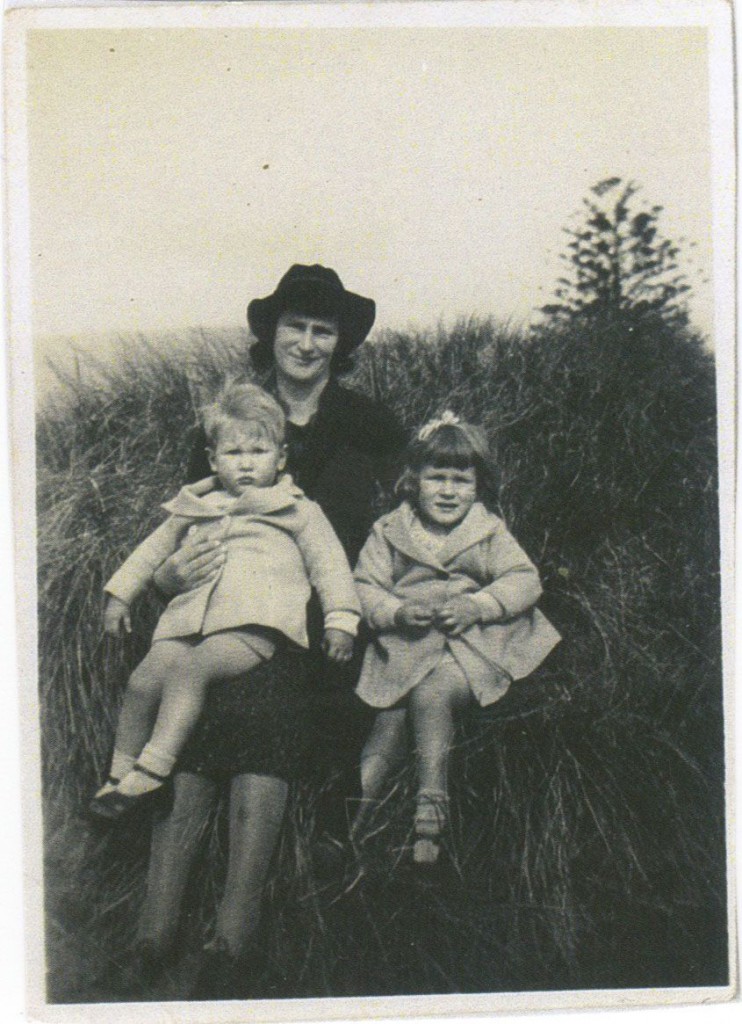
x: 587, y: 839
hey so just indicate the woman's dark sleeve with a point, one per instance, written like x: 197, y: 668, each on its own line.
x: 390, y: 441
x: 198, y: 462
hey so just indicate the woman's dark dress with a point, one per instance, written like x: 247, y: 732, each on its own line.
x: 268, y: 722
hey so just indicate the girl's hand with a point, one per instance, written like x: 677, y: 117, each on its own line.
x: 458, y: 614
x: 338, y: 645
x: 191, y: 565
x: 116, y: 616
x: 414, y: 617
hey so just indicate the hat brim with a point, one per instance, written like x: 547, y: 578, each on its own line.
x: 355, y: 313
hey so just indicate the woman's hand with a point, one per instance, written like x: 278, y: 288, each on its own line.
x: 194, y: 563
x: 458, y: 614
x: 414, y: 617
x: 116, y: 616
x: 338, y: 645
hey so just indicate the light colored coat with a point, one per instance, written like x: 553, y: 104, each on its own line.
x: 277, y: 543
x: 479, y: 558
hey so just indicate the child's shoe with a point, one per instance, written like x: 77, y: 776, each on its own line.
x: 96, y: 807
x: 426, y: 851
x: 135, y: 790
x: 108, y: 787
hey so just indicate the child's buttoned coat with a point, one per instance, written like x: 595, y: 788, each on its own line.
x: 479, y: 556
x: 277, y: 542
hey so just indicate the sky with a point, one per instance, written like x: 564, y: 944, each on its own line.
x: 176, y: 173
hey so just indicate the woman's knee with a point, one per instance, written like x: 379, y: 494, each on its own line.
x: 194, y: 799
x: 256, y: 798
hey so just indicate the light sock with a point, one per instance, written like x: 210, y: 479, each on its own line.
x: 161, y: 762
x: 121, y: 764
x: 138, y: 783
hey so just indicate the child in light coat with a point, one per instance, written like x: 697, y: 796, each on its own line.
x: 277, y: 544
x: 449, y: 596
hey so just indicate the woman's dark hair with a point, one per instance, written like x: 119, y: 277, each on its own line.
x: 311, y: 304
x: 456, y: 445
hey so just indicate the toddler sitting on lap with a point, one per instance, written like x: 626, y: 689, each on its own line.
x: 276, y: 545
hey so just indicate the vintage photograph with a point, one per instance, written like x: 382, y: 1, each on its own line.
x: 371, y: 396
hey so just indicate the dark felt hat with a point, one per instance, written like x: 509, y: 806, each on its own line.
x: 316, y: 290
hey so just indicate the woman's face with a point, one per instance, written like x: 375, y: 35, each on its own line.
x: 303, y: 346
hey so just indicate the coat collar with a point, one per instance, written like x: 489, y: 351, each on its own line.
x: 478, y: 524
x: 205, y: 500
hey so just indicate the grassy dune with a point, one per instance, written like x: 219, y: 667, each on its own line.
x: 587, y: 841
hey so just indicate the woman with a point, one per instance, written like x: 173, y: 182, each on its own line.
x: 341, y: 451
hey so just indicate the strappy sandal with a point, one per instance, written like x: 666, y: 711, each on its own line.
x: 114, y: 804
x: 431, y: 816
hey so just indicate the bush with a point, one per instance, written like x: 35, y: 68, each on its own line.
x: 587, y: 842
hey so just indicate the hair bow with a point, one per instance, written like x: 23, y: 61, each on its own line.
x: 446, y: 419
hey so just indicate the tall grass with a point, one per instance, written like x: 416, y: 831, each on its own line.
x: 587, y: 840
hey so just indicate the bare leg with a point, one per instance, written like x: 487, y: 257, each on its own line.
x: 186, y: 672
x: 384, y: 750
x: 433, y: 704
x: 138, y: 712
x: 220, y: 656
x: 143, y: 694
x: 256, y: 809
x: 175, y: 841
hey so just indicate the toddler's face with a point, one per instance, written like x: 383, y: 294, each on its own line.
x: 244, y: 457
x: 446, y: 494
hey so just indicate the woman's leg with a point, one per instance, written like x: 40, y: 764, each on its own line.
x: 175, y: 841
x: 256, y: 809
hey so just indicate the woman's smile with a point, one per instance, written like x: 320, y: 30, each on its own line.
x: 304, y: 346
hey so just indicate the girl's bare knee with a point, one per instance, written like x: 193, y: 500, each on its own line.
x: 440, y: 691
x: 427, y: 699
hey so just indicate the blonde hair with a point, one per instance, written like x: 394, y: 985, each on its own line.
x: 246, y: 404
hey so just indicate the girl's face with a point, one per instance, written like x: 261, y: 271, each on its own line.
x: 303, y: 347
x: 446, y: 494
x: 244, y: 457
